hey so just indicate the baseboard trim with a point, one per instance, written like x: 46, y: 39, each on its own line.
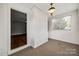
x: 40, y: 44
x: 65, y: 41
x: 17, y: 49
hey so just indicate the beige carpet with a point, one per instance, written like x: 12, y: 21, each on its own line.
x: 52, y: 48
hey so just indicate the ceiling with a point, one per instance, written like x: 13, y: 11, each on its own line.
x: 60, y: 7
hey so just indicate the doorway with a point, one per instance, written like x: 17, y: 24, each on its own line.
x: 18, y: 29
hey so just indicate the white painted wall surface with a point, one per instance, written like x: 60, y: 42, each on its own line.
x: 37, y: 32
x: 39, y: 27
x: 3, y: 30
x: 78, y: 21
x: 65, y: 35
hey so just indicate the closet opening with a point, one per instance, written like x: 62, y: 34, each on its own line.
x: 18, y: 29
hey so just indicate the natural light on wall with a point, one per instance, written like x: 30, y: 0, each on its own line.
x: 62, y: 24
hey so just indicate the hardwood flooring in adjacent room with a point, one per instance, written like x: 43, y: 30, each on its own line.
x: 51, y: 48
x: 18, y: 40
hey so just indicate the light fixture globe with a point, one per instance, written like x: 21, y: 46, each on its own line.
x: 51, y: 10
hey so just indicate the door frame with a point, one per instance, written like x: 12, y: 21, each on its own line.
x: 9, y: 41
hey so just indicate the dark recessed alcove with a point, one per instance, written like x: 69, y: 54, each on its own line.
x: 18, y: 29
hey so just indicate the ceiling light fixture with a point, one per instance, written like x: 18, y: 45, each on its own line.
x: 51, y: 10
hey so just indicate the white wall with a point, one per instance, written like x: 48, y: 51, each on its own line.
x: 5, y: 27
x: 39, y: 27
x: 3, y: 30
x: 78, y: 21
x: 66, y: 35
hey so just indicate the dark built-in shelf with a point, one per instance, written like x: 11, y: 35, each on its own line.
x: 18, y: 40
x: 18, y: 25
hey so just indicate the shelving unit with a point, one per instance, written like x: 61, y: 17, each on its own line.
x: 18, y: 29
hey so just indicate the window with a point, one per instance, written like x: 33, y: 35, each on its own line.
x: 62, y: 24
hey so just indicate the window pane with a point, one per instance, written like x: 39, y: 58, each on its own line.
x: 62, y: 24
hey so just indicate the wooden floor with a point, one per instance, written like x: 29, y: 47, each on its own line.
x: 18, y: 40
x: 51, y: 48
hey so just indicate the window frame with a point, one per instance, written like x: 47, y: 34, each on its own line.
x: 61, y: 19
